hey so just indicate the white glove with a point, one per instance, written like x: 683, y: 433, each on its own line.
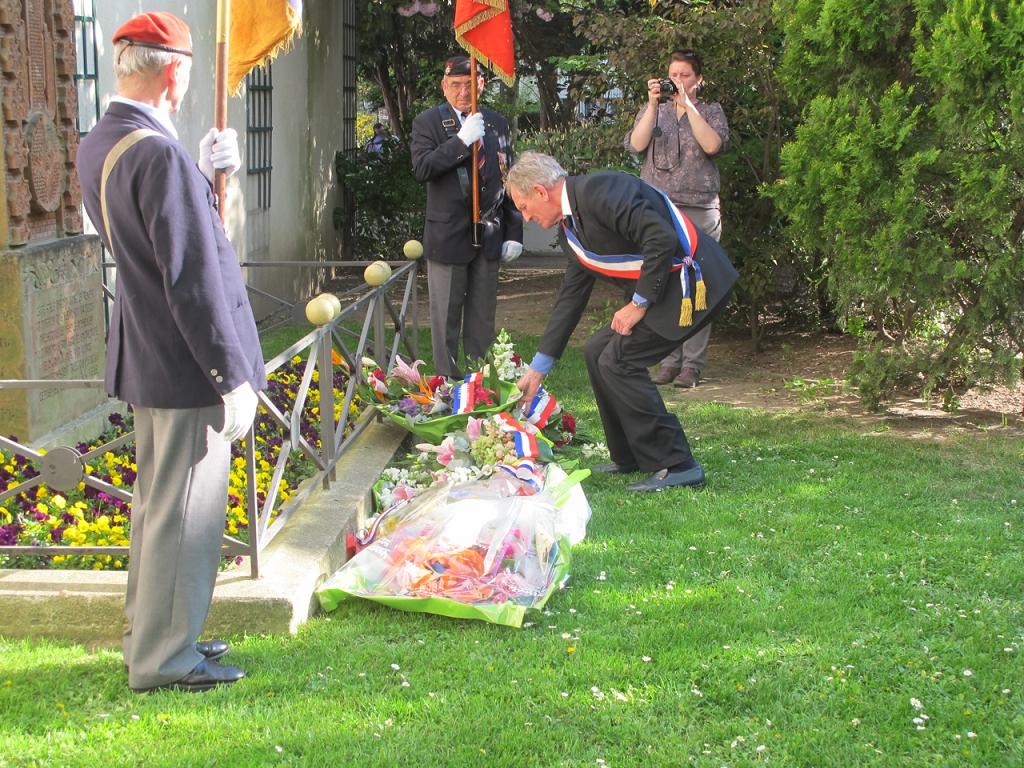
x: 472, y: 129
x: 510, y: 251
x: 239, y: 411
x: 219, y: 150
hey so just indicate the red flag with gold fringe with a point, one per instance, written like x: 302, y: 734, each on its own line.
x: 260, y: 29
x: 484, y: 29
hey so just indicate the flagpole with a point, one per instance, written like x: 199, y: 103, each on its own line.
x: 477, y: 238
x: 220, y: 106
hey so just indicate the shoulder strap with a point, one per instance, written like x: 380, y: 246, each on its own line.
x: 127, y: 142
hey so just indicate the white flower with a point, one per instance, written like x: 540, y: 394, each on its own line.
x: 968, y: 673
x: 916, y: 704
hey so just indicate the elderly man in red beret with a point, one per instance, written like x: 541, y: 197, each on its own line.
x: 182, y: 348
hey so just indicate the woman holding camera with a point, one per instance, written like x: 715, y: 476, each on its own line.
x: 679, y: 137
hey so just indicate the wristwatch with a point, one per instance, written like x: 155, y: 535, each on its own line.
x: 639, y: 304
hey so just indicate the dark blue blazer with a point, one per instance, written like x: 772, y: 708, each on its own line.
x: 617, y: 213
x: 182, y: 331
x: 447, y: 233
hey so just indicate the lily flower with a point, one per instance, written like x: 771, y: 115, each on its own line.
x: 406, y: 373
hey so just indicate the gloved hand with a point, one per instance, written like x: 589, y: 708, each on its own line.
x: 510, y: 251
x: 472, y: 129
x: 217, y: 150
x: 239, y: 411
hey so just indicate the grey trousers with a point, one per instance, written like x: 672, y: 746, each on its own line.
x: 693, y: 353
x: 463, y: 300
x: 178, y: 510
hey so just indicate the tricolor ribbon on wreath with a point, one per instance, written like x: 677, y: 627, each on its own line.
x: 541, y: 409
x: 524, y: 442
x: 628, y: 265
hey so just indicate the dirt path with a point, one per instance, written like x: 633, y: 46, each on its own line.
x: 793, y: 372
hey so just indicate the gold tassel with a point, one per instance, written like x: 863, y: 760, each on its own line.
x: 686, y: 312
x: 700, y: 297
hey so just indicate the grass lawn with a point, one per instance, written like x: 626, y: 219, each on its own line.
x: 833, y: 597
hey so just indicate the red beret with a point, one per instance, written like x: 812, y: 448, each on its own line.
x: 157, y: 29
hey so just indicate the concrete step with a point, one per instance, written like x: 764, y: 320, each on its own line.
x: 88, y: 606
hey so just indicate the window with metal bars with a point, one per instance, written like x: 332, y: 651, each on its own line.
x: 259, y: 130
x: 85, y: 65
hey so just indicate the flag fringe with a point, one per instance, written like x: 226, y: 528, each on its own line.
x: 497, y: 7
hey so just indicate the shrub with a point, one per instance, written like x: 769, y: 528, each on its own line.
x: 383, y: 204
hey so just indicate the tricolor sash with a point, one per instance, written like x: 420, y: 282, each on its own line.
x: 628, y: 265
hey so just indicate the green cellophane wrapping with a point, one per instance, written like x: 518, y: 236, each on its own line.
x: 434, y: 428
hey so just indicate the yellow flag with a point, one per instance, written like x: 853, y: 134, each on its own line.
x: 260, y: 29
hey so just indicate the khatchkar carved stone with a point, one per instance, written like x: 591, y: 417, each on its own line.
x: 40, y: 110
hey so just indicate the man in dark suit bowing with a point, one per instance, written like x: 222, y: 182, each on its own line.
x: 675, y: 279
x: 462, y: 277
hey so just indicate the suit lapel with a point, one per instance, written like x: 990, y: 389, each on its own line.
x: 578, y: 219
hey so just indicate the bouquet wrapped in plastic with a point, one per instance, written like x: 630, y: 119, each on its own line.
x: 489, y: 549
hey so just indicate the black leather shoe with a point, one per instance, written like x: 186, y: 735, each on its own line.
x: 663, y: 479
x: 611, y: 468
x: 213, y: 649
x: 206, y: 675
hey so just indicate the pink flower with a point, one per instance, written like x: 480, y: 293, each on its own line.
x: 403, y: 493
x: 406, y: 373
x: 428, y: 9
x: 545, y: 15
x: 473, y: 428
x: 409, y: 10
x: 446, y: 451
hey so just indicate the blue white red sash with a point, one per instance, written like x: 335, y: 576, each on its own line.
x: 629, y: 265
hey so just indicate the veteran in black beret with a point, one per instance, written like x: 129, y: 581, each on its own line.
x: 462, y: 278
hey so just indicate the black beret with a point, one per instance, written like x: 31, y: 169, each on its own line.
x: 457, y: 65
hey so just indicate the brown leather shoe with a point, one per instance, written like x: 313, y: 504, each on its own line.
x: 687, y: 378
x: 665, y: 375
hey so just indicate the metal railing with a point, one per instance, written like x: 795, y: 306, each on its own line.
x: 64, y: 468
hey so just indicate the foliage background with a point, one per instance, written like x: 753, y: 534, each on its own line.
x: 875, y: 182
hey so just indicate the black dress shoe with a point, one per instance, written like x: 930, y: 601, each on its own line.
x: 213, y: 649
x: 611, y: 468
x: 206, y: 675
x: 665, y: 478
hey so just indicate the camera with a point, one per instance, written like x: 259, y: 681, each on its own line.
x: 667, y: 88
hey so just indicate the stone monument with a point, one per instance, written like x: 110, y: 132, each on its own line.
x: 51, y: 295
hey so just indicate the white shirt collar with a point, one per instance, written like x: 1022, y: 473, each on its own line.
x: 566, y: 210
x: 161, y: 116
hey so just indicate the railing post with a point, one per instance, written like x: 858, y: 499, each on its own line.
x: 415, y: 312
x: 380, y: 345
x: 326, y: 365
x: 252, y: 506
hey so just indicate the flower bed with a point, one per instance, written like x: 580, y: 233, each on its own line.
x: 87, y: 517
